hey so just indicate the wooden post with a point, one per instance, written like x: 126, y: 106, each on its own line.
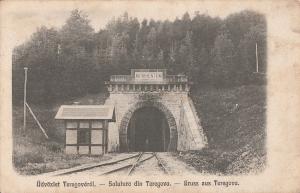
x: 256, y: 57
x: 37, y: 121
x: 25, y: 88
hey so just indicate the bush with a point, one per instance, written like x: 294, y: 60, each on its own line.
x: 27, y: 157
x: 54, y: 147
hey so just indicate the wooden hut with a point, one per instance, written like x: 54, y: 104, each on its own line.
x: 86, y: 128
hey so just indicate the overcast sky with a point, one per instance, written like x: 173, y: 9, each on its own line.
x: 23, y: 18
x: 26, y: 17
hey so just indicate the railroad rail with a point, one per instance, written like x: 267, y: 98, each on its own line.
x: 160, y: 163
x: 137, y: 163
x: 118, y: 165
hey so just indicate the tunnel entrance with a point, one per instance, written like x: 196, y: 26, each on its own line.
x: 148, y: 130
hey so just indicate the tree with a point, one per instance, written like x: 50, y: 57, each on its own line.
x: 40, y: 55
x: 186, y: 22
x: 222, y: 69
x: 134, y: 27
x: 238, y: 24
x: 76, y: 56
x: 77, y: 30
x: 186, y: 63
x: 152, y: 49
x: 205, y: 30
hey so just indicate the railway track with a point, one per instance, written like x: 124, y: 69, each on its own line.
x: 128, y: 164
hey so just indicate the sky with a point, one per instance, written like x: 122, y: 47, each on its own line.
x: 25, y: 18
x: 22, y: 18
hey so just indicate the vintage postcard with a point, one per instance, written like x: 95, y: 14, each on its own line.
x: 150, y: 96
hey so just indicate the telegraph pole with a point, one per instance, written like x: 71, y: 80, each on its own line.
x: 256, y: 57
x: 25, y: 85
x: 30, y: 110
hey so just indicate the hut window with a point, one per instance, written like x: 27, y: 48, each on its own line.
x: 84, y: 124
x: 97, y: 124
x: 71, y: 124
x: 83, y: 136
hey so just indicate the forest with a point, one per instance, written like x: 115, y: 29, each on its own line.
x: 75, y: 60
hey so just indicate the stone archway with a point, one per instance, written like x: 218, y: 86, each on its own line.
x: 141, y: 104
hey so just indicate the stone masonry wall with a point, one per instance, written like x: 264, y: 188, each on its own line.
x: 173, y: 101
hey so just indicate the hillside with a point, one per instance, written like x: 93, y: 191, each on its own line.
x: 234, y: 121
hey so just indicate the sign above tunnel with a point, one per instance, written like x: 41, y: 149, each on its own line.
x: 148, y: 76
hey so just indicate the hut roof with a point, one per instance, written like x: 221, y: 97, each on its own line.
x: 86, y: 112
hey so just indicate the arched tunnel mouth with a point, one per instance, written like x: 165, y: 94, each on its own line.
x: 148, y: 131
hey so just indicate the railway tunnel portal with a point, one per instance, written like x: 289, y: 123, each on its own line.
x: 153, y: 113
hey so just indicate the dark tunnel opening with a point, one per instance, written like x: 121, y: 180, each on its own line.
x: 148, y: 131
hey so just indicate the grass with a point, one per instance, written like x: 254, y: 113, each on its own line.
x: 234, y: 122
x: 32, y: 158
